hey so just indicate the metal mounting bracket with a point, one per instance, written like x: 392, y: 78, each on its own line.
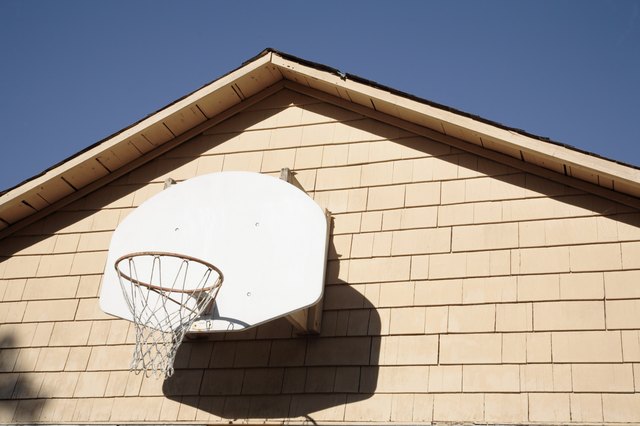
x: 308, y: 320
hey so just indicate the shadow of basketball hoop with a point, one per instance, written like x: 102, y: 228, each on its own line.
x: 269, y: 372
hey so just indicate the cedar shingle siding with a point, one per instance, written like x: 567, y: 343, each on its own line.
x: 458, y: 289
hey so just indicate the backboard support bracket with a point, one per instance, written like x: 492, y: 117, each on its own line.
x: 308, y: 320
x: 289, y: 176
x: 168, y: 182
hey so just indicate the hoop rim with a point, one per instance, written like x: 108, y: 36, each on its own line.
x: 170, y: 254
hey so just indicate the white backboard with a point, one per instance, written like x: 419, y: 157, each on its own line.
x: 267, y: 237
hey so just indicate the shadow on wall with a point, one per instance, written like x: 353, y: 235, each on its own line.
x: 269, y: 372
x: 15, y: 388
x: 222, y: 139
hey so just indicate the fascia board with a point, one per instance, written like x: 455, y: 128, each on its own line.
x: 122, y: 137
x: 508, y: 139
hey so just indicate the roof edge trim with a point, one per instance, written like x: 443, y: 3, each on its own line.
x: 129, y: 131
x: 270, y: 67
x: 509, y: 137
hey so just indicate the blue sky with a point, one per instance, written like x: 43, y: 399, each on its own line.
x: 73, y: 72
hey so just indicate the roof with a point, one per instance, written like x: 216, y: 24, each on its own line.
x: 271, y: 71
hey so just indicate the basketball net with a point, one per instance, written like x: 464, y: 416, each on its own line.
x: 165, y: 293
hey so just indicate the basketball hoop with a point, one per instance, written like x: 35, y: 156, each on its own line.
x: 166, y: 293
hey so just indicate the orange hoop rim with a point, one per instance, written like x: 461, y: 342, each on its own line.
x: 169, y: 254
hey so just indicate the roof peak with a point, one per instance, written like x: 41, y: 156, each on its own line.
x: 269, y: 71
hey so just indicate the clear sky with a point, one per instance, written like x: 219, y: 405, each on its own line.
x: 74, y: 72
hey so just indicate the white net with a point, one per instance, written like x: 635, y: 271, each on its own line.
x: 165, y: 293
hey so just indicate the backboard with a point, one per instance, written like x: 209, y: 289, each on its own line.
x: 267, y: 237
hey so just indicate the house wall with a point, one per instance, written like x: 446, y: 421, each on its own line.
x: 458, y: 289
